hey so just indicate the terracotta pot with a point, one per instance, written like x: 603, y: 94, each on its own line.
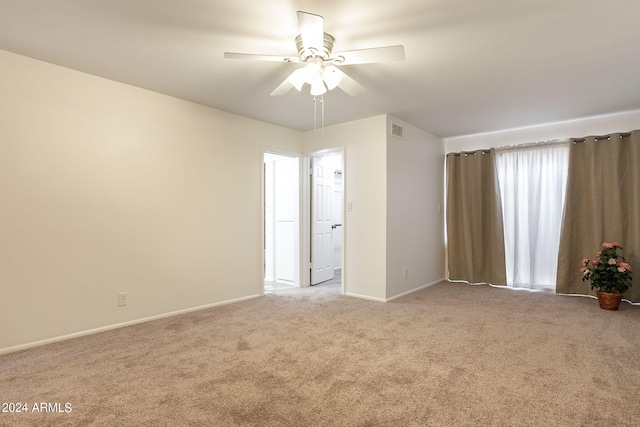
x: 609, y: 301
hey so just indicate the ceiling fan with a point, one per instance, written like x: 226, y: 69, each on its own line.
x: 315, y: 49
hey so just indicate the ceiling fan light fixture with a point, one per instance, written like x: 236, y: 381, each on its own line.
x: 316, y: 76
x: 313, y: 70
x: 318, y: 88
x: 298, y: 78
x: 331, y: 77
x: 315, y: 80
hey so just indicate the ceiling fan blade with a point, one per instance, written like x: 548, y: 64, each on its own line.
x: 368, y: 56
x: 283, y: 88
x: 349, y: 85
x: 255, y: 57
x: 311, y: 30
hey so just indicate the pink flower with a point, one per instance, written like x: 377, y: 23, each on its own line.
x: 615, y: 245
x: 624, y: 266
x: 585, y: 261
x: 595, y: 261
x: 598, y: 254
x: 607, y: 245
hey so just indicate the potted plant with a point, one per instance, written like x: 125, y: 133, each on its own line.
x: 609, y: 275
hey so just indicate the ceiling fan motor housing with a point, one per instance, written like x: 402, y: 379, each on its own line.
x: 315, y: 52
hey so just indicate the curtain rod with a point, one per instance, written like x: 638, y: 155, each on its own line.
x: 529, y: 145
x: 514, y: 147
x: 470, y: 153
x: 599, y: 138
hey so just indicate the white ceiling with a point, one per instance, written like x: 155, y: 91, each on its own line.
x: 471, y: 66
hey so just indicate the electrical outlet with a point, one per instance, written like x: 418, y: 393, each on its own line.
x: 406, y: 273
x: 122, y: 299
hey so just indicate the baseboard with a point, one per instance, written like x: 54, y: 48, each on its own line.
x: 416, y: 289
x: 120, y: 325
x: 351, y: 294
x: 367, y: 297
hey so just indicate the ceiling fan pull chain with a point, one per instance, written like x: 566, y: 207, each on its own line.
x: 315, y: 117
x: 322, y: 109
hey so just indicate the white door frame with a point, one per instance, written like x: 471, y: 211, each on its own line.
x: 298, y: 262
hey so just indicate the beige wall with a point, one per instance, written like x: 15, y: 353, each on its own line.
x: 600, y: 125
x: 364, y: 145
x: 107, y: 188
x: 396, y: 189
x: 415, y: 222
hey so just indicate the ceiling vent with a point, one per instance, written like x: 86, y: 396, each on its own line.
x: 396, y: 130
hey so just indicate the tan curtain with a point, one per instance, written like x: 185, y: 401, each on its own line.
x: 602, y: 204
x: 475, y: 237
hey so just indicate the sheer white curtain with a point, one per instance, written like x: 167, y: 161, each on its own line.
x: 532, y: 180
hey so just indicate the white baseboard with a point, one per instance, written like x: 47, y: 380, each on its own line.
x: 367, y: 297
x: 351, y: 294
x: 415, y: 290
x: 120, y: 325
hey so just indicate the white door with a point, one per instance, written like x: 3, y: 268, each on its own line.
x: 337, y: 220
x: 285, y: 218
x: 281, y: 220
x: 321, y: 222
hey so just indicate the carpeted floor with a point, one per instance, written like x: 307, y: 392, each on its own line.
x: 448, y: 355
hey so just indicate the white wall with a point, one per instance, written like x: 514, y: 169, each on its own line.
x: 396, y: 190
x: 107, y: 188
x: 415, y: 222
x: 600, y: 125
x: 364, y: 143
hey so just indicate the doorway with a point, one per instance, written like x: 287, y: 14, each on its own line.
x: 281, y: 222
x: 327, y: 218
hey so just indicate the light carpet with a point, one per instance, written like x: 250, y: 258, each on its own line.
x: 447, y: 355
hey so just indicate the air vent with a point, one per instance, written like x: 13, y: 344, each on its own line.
x: 396, y: 130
